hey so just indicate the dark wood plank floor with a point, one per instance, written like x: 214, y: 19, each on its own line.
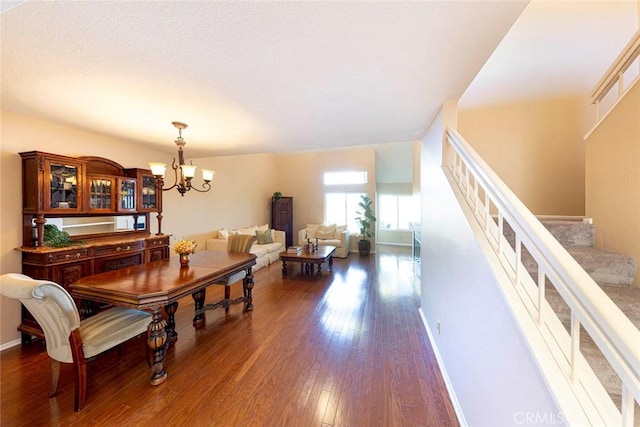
x: 346, y: 349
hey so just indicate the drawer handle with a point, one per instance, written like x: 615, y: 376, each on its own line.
x: 126, y: 248
x: 77, y: 255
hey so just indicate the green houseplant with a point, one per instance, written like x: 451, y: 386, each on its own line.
x: 365, y: 220
x: 56, y: 238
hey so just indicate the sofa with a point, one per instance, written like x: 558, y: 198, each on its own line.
x: 267, y: 248
x: 333, y: 235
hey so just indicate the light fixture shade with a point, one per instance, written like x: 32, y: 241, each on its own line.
x: 157, y: 168
x: 207, y: 174
x: 189, y: 171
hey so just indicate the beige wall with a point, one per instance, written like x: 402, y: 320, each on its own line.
x: 301, y: 174
x: 613, y: 178
x: 241, y: 189
x: 536, y: 148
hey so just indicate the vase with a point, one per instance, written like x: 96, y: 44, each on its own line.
x: 184, y: 260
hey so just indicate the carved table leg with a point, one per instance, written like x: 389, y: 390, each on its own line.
x: 331, y: 263
x: 25, y: 338
x: 171, y: 309
x: 156, y: 339
x: 247, y: 286
x: 198, y: 298
x: 320, y: 269
x: 284, y: 268
x: 88, y: 309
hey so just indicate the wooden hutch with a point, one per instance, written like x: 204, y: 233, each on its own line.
x: 105, y: 209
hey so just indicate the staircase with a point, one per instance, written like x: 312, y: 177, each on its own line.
x: 613, y: 272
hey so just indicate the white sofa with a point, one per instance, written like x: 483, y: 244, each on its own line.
x: 266, y: 253
x: 327, y: 235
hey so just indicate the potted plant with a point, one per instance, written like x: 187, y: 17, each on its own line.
x: 276, y: 196
x: 365, y: 221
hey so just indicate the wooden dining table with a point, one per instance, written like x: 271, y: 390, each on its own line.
x: 160, y: 284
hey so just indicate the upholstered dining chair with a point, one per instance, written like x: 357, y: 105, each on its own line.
x: 69, y: 339
x: 240, y: 243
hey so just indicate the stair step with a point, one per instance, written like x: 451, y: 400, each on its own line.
x: 572, y: 233
x: 605, y: 266
x: 568, y: 233
x: 626, y: 298
x: 577, y: 238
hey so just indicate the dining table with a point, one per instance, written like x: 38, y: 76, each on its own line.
x: 157, y: 286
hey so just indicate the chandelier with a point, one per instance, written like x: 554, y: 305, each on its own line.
x: 183, y: 173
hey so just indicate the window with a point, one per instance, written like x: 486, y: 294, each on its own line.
x: 345, y: 178
x: 395, y: 212
x: 341, y: 208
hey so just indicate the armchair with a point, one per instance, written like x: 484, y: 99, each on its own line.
x: 69, y: 339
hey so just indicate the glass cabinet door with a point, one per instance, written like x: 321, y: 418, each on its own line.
x: 63, y: 186
x: 127, y: 195
x: 100, y: 193
x: 149, y: 199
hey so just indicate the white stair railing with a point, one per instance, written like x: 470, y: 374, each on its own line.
x: 615, y: 76
x: 580, y: 395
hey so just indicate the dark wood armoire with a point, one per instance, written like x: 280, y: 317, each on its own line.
x: 282, y: 216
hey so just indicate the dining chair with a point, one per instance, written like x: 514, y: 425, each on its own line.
x: 69, y: 339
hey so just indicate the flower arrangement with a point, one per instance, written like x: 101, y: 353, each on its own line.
x: 183, y: 247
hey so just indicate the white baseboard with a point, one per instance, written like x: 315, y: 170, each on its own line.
x: 10, y: 344
x: 445, y: 376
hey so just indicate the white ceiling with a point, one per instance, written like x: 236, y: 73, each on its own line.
x: 251, y: 77
x: 247, y: 77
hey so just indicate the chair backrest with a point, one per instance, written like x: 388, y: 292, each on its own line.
x: 240, y: 242
x: 52, y: 307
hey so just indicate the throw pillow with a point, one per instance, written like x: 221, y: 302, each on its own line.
x: 312, y: 229
x: 262, y: 227
x: 250, y: 231
x: 223, y: 234
x: 328, y: 229
x: 324, y: 234
x: 264, y: 237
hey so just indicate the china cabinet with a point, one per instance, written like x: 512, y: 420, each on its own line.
x: 149, y: 198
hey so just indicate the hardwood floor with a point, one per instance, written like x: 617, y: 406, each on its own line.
x: 345, y: 349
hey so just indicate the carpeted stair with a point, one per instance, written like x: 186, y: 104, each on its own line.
x: 612, y: 271
x: 578, y: 238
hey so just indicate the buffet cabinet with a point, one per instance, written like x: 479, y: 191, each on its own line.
x: 66, y: 265
x: 104, y: 207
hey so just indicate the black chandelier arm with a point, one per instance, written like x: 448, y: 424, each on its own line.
x: 176, y: 183
x: 206, y: 187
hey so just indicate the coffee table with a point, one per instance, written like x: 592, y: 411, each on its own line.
x: 309, y: 259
